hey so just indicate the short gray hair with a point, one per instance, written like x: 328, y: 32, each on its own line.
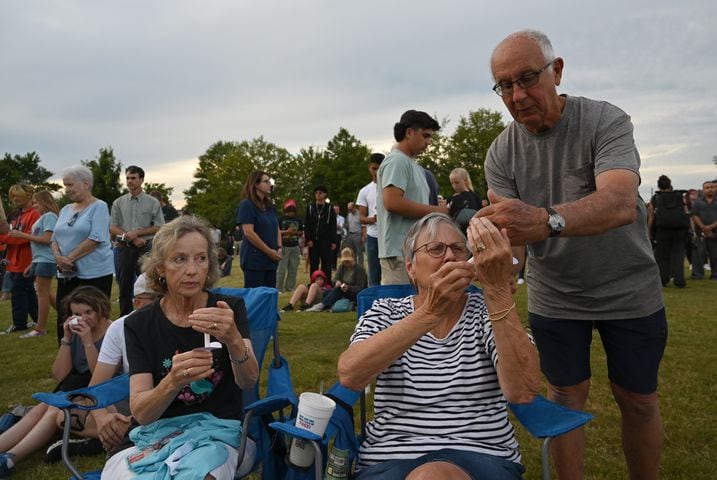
x: 79, y: 172
x: 165, y: 239
x: 428, y: 225
x: 546, y: 48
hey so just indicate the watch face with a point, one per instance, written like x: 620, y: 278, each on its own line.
x: 557, y: 223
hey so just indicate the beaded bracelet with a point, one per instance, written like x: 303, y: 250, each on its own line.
x: 498, y: 316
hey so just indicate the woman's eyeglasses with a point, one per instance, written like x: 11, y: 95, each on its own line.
x: 438, y: 250
x: 73, y: 219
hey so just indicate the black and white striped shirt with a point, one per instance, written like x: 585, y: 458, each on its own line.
x: 441, y: 393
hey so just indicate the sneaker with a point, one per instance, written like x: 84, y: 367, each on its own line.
x: 304, y: 307
x: 289, y: 307
x: 4, y: 467
x: 12, y: 329
x: 76, y: 447
x: 31, y: 324
x: 34, y: 333
x: 521, y: 281
x: 316, y: 308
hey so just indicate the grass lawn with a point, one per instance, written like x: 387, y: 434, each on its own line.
x: 313, y: 342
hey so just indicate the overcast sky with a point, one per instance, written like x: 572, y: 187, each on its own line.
x: 160, y: 81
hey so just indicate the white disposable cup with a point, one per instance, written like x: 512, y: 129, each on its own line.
x: 315, y: 410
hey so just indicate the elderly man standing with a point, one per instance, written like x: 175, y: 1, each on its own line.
x: 563, y: 179
x: 136, y: 217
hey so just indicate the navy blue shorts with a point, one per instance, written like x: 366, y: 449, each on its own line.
x: 633, y: 348
x: 477, y: 465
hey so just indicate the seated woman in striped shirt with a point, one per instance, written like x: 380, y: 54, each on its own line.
x: 445, y: 361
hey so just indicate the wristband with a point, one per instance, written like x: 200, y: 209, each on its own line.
x: 64, y: 342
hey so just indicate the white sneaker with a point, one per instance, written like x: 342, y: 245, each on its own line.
x: 708, y: 267
x: 33, y: 333
x: 520, y: 281
x: 316, y: 308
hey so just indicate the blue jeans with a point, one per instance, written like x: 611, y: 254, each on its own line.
x: 374, y: 266
x: 24, y: 299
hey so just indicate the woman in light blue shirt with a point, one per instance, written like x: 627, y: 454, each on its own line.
x: 43, y: 265
x: 81, y: 240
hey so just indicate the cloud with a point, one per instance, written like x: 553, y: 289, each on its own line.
x: 161, y: 81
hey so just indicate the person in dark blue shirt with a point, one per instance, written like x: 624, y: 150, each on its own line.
x: 260, y: 251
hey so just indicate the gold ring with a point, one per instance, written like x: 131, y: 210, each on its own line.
x: 480, y: 247
x: 214, y: 326
x: 186, y: 372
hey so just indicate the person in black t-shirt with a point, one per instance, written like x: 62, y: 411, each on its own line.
x: 171, y: 374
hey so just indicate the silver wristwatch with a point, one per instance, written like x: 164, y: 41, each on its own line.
x: 556, y: 223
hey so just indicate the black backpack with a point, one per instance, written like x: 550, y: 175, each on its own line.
x: 670, y: 210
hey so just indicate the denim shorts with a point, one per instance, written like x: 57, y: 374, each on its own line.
x: 43, y: 269
x: 633, y: 348
x: 477, y: 465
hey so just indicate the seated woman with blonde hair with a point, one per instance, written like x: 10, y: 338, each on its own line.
x: 189, y: 357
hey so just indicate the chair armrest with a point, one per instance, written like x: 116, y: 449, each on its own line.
x: 292, y: 430
x: 101, y: 395
x: 543, y: 418
x: 268, y: 405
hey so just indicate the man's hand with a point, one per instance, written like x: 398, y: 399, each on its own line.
x: 111, y: 428
x: 524, y: 223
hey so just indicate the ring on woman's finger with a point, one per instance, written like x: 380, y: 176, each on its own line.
x: 214, y: 326
x: 480, y: 247
x: 186, y: 372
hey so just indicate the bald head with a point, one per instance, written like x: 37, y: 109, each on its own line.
x: 526, y: 75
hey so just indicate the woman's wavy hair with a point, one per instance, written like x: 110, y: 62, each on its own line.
x: 46, y: 201
x: 164, y: 241
x: 90, y: 296
x: 249, y: 190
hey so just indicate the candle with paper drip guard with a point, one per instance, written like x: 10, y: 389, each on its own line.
x: 209, y: 345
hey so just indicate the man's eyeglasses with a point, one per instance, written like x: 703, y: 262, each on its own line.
x: 527, y: 80
x: 73, y: 219
x: 438, y: 250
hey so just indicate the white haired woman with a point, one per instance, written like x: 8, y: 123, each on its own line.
x: 81, y: 239
x: 174, y: 382
x: 445, y: 361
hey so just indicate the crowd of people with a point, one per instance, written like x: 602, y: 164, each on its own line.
x: 563, y: 183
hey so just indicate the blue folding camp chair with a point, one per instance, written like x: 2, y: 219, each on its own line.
x: 542, y: 418
x: 262, y: 312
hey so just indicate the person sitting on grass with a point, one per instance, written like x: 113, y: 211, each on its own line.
x: 225, y: 262
x: 88, y: 310
x: 311, y: 294
x: 350, y: 279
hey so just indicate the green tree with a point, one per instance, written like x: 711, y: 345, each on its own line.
x: 220, y: 175
x: 435, y: 157
x: 106, y: 171
x: 26, y: 169
x: 341, y: 168
x: 469, y: 144
x: 294, y: 178
x: 160, y: 187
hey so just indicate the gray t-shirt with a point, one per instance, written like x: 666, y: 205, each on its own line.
x: 608, y: 276
x: 398, y: 170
